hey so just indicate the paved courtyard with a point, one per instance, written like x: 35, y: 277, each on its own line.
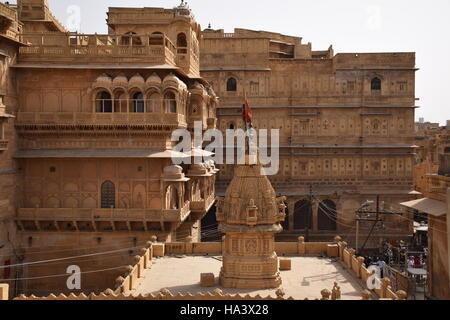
x: 309, y: 276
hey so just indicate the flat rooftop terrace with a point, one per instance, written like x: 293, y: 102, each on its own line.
x: 307, y: 278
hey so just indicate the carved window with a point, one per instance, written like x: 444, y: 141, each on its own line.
x: 156, y: 39
x: 231, y: 85
x: 181, y: 40
x: 375, y: 84
x: 170, y: 102
x: 130, y: 38
x: 108, y: 194
x: 103, y: 102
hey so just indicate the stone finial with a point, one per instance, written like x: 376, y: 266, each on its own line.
x: 143, y: 251
x: 337, y: 239
x: 154, y: 239
x: 366, y: 295
x: 109, y: 292
x: 137, y: 259
x: 402, y: 295
x: 360, y: 260
x: 149, y: 244
x: 325, y: 294
x: 301, y: 239
x: 128, y: 268
x: 218, y: 292
x: 280, y: 293
x: 165, y: 292
x: 119, y: 281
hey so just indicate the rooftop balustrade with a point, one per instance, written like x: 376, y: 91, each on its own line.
x: 97, y: 49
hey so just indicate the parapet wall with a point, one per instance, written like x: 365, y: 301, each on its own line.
x: 126, y: 284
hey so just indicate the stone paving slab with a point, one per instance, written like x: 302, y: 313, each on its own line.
x: 308, y: 276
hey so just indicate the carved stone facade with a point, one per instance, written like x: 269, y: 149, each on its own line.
x: 346, y: 124
x: 250, y: 216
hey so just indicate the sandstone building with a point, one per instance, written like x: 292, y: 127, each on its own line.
x: 346, y: 124
x: 86, y: 150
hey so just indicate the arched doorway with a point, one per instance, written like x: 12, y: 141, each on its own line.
x: 302, y: 215
x: 326, y: 217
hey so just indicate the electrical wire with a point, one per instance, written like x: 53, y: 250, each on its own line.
x: 66, y: 258
x: 62, y: 275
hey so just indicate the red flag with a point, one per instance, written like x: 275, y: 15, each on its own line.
x: 246, y: 112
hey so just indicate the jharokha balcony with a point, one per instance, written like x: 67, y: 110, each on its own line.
x: 72, y: 48
x: 78, y: 219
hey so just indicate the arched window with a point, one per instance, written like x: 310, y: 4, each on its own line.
x: 154, y: 103
x: 138, y: 103
x: 181, y: 40
x: 231, y: 84
x: 302, y: 215
x: 170, y: 102
x: 326, y: 217
x: 375, y: 84
x: 231, y: 126
x: 156, y: 39
x: 108, y: 191
x: 103, y: 102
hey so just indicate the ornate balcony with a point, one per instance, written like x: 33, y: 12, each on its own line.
x: 97, y: 49
x: 49, y: 121
x: 203, y: 205
x: 59, y: 219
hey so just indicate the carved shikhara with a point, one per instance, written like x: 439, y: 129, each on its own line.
x: 250, y: 215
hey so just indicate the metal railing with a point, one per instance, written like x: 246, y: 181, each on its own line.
x: 135, y: 105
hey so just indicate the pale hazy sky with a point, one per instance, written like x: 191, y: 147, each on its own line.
x: 349, y: 25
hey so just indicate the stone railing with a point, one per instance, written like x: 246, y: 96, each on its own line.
x: 7, y: 12
x: 162, y: 295
x: 78, y: 118
x: 124, y: 285
x: 281, y: 248
x: 98, y: 49
x: 204, y: 204
x: 58, y: 214
x: 357, y: 267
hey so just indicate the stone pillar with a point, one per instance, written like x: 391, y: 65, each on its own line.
x: 385, y: 282
x: 4, y: 291
x: 341, y: 250
x: 360, y: 263
x: 189, y: 246
x: 301, y: 247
